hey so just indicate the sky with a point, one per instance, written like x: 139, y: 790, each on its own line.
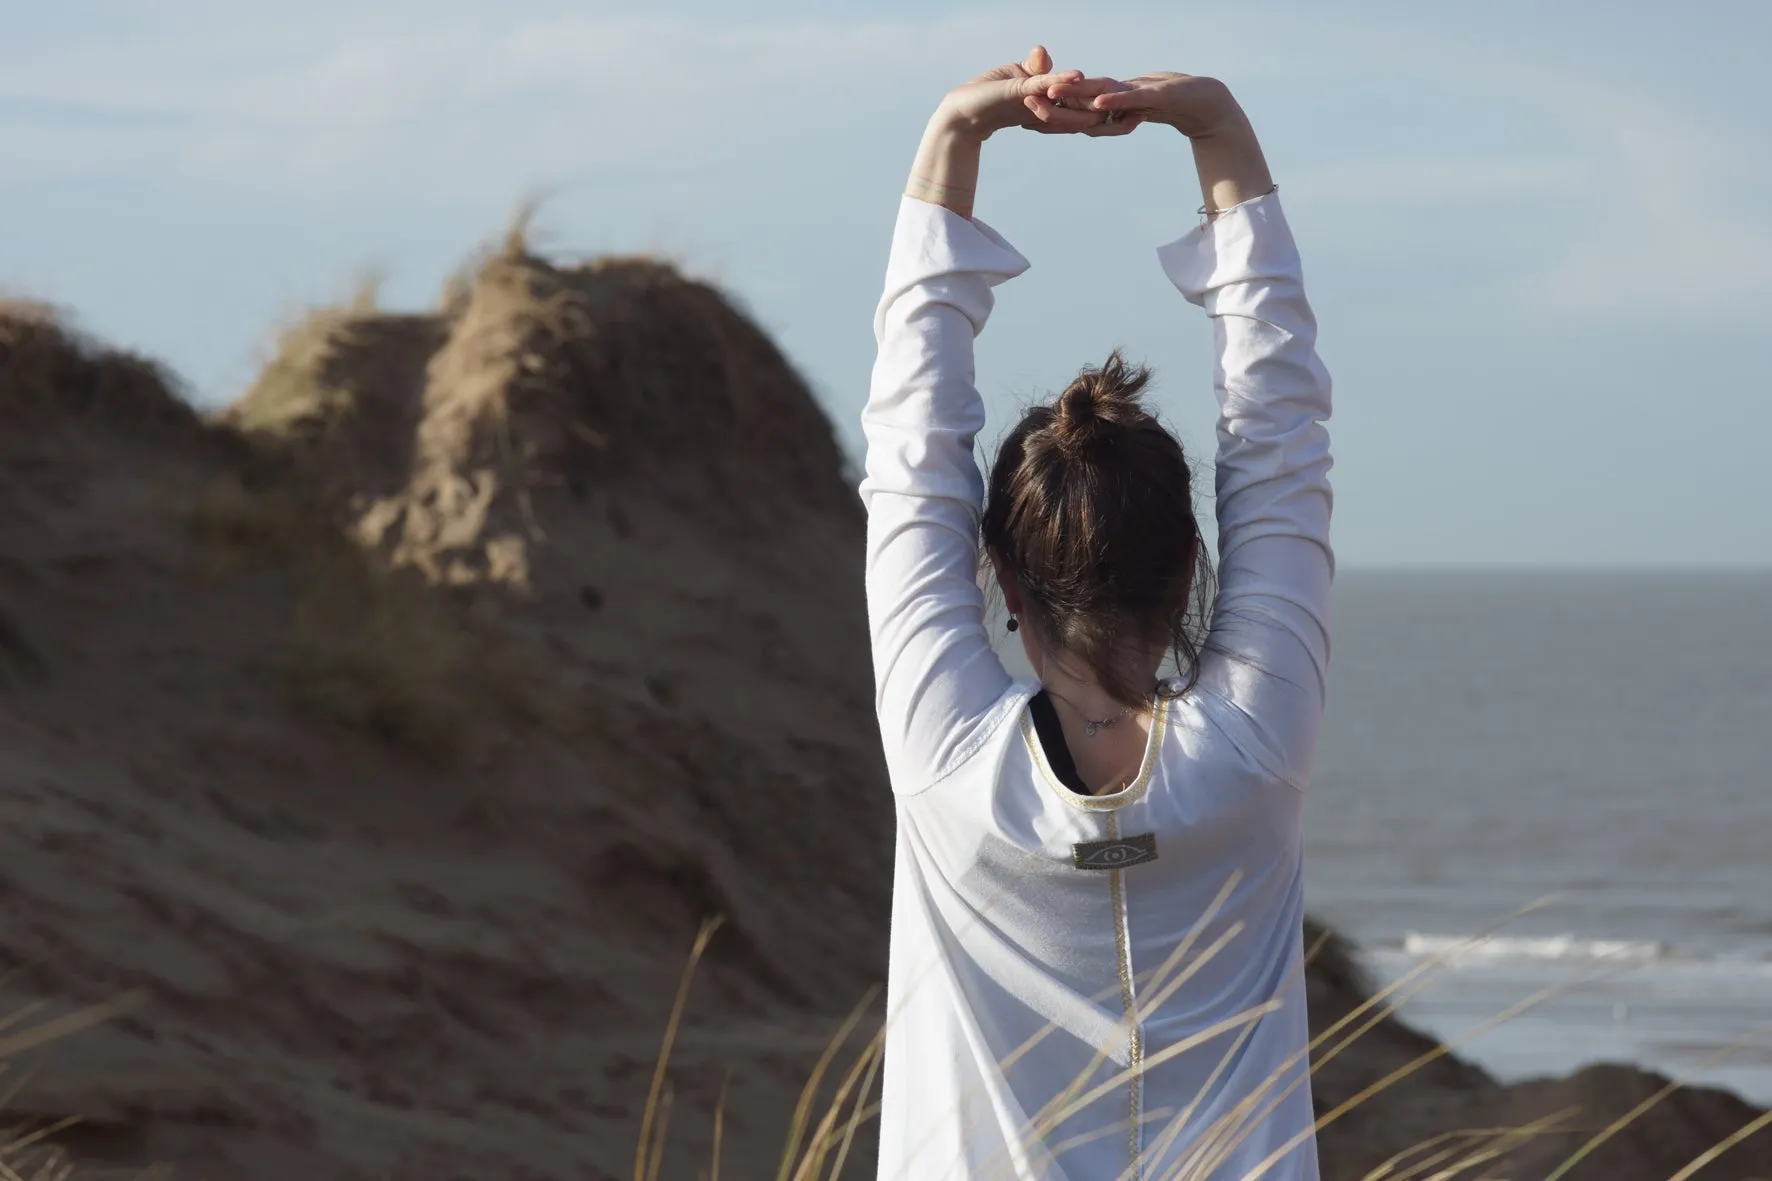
x: 1538, y: 237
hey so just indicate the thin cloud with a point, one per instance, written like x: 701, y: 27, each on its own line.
x: 596, y: 90
x: 1656, y: 200
x: 1449, y: 181
x: 1683, y: 211
x: 476, y: 101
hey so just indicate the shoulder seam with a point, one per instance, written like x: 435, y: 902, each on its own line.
x: 1262, y: 758
x: 987, y: 725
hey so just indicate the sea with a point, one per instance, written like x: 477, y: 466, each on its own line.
x: 1542, y: 807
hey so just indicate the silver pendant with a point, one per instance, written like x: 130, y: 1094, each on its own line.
x: 1090, y: 729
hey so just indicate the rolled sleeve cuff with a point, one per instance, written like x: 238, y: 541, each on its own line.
x: 1248, y: 243
x: 931, y: 242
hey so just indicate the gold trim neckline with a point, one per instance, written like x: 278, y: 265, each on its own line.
x: 1131, y: 793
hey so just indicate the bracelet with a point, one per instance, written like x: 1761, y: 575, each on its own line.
x: 1207, y: 213
x: 922, y: 182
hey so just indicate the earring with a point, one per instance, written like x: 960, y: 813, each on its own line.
x: 1013, y: 623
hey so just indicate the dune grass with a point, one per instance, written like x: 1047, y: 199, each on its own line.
x: 28, y: 1151
x: 288, y: 390
x: 817, y: 1149
x: 1458, y: 1153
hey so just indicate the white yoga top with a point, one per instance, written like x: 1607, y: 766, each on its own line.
x: 1062, y: 1004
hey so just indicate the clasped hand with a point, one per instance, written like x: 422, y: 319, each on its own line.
x: 1031, y: 94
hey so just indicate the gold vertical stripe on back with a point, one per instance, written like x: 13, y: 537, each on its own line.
x: 1128, y: 1005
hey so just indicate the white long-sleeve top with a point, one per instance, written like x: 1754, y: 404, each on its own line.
x: 1060, y: 1004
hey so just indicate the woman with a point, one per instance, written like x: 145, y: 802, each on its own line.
x: 1096, y: 961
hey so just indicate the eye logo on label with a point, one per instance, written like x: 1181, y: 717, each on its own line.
x: 1116, y: 852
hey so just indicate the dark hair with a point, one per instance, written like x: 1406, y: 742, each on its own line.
x: 1091, y: 510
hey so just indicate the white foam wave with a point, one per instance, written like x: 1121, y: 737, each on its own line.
x: 1542, y: 947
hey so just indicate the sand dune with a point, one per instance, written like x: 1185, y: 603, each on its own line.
x: 394, y: 731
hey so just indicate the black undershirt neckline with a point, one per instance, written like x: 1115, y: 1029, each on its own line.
x: 1051, y: 734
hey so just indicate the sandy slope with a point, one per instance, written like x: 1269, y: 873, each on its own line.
x: 394, y: 734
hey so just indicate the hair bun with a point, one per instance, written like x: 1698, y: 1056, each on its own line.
x: 1078, y: 410
x: 1098, y: 402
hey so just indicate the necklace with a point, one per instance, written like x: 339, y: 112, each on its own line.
x: 1091, y: 725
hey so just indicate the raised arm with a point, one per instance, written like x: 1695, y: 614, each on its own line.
x: 1268, y: 653
x: 936, y: 675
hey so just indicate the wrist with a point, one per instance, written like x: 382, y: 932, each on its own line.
x: 951, y: 127
x: 1230, y: 127
x: 946, y: 169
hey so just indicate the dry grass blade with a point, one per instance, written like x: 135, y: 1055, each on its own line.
x: 74, y: 1022
x: 521, y: 230
x: 1316, y: 948
x: 642, y: 1151
x: 1386, y: 1170
x: 43, y: 1133
x: 21, y: 1013
x: 861, y: 1097
x: 1437, y: 960
x: 1480, y: 1156
x: 813, y: 1163
x: 1115, y: 1128
x: 1497, y: 1142
x: 1068, y: 1103
x: 1182, y: 1046
x: 1165, y: 1139
x: 1763, y: 1120
x: 719, y: 1128
x: 1156, y: 1002
x: 1181, y: 949
x: 366, y: 291
x: 1236, y: 1124
x: 803, y: 1109
x: 1232, y: 1128
x: 1611, y: 1130
x: 1042, y: 1122
x: 666, y: 1101
x: 1416, y: 1063
x: 18, y: 1085
x: 1242, y: 1125
x: 1618, y: 1125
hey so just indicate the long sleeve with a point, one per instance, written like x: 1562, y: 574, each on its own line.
x: 1268, y: 650
x: 936, y: 676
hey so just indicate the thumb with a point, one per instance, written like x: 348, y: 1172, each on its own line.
x: 1038, y: 61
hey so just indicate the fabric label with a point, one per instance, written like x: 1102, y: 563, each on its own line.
x: 1115, y: 852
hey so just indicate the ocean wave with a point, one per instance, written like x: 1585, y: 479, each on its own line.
x: 1528, y: 947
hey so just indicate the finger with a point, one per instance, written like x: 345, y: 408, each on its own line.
x: 999, y: 73
x: 1042, y: 84
x: 1129, y: 98
x: 1038, y: 60
x: 1073, y: 121
x: 1086, y: 88
x: 1122, y: 126
x: 1052, y: 117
